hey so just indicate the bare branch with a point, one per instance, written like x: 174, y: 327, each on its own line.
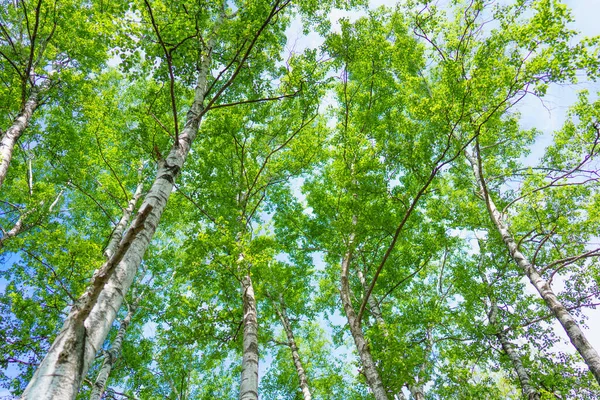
x: 285, y: 96
x: 274, y: 11
x: 169, y: 58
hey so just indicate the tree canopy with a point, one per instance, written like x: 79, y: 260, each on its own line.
x: 195, y: 204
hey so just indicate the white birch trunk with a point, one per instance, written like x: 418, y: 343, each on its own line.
x: 369, y: 367
x: 14, y: 132
x: 17, y: 227
x: 528, y: 391
x: 572, y: 329
x: 249, y: 380
x: 400, y: 396
x: 372, y: 302
x: 113, y: 353
x: 59, y: 375
x: 287, y: 327
x: 524, y: 379
x: 417, y: 392
x: 117, y: 234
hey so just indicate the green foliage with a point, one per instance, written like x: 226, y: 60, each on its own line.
x: 296, y: 154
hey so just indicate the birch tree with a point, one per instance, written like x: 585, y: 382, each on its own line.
x: 360, y: 219
x: 42, y: 44
x: 94, y: 312
x: 56, y: 241
x: 539, y: 68
x: 574, y: 332
x: 264, y: 154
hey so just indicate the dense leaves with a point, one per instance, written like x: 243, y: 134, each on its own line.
x: 350, y: 188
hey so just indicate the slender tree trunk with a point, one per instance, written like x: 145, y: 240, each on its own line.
x: 574, y: 332
x: 59, y: 375
x: 117, y: 235
x: 17, y: 227
x: 14, y: 132
x: 249, y: 381
x: 369, y: 367
x: 112, y: 354
x: 415, y: 389
x: 417, y: 392
x: 287, y: 327
x: 416, y: 386
x: 20, y: 226
x: 372, y: 302
x: 528, y: 391
x: 524, y: 379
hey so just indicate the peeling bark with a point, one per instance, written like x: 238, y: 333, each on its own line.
x: 14, y: 132
x: 249, y: 381
x: 572, y: 329
x: 287, y: 327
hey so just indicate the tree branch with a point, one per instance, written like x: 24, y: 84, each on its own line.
x: 168, y: 56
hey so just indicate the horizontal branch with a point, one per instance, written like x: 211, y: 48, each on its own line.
x: 285, y: 96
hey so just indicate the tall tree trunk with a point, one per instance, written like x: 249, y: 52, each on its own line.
x: 415, y: 388
x: 117, y: 234
x: 249, y: 381
x: 417, y: 392
x: 14, y: 132
x: 399, y: 396
x: 528, y: 391
x: 572, y: 329
x: 60, y: 373
x: 287, y: 327
x: 369, y: 367
x: 113, y: 353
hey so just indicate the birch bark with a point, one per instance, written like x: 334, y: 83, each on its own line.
x: 572, y: 329
x: 249, y: 381
x: 60, y: 373
x: 117, y: 235
x: 287, y: 327
x: 14, y: 132
x: 528, y: 391
x: 372, y: 302
x: 370, y: 369
x: 17, y: 227
x: 416, y: 386
x: 417, y: 392
x: 400, y: 396
x: 113, y: 353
